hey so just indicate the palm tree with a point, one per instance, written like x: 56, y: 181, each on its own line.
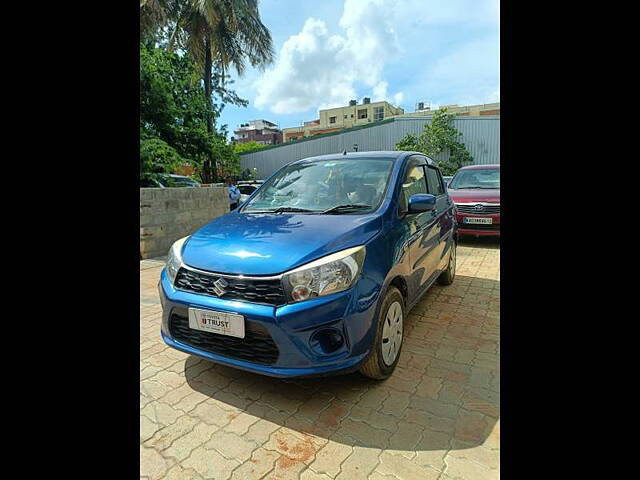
x: 216, y: 33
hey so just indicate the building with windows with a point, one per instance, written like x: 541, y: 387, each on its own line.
x: 463, y: 111
x: 260, y: 131
x: 354, y: 115
x: 335, y: 119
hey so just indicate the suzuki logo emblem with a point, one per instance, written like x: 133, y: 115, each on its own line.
x: 219, y: 286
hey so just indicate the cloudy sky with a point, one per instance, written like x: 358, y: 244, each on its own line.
x: 403, y: 51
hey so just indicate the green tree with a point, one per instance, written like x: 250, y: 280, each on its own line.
x: 156, y: 156
x: 248, y: 146
x: 217, y: 34
x: 228, y: 160
x: 172, y: 107
x: 439, y: 136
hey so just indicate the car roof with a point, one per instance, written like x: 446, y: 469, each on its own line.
x: 394, y: 155
x: 478, y: 167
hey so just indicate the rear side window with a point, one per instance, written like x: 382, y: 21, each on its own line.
x: 413, y: 183
x: 433, y: 180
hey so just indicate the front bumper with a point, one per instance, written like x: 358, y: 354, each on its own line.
x: 290, y: 327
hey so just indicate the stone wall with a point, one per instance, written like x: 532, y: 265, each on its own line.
x: 167, y: 214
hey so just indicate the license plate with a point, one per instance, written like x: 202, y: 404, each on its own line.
x: 222, y: 323
x: 477, y: 220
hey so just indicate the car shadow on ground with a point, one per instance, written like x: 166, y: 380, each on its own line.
x: 443, y: 395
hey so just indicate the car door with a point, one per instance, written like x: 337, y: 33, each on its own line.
x: 423, y: 227
x: 443, y: 215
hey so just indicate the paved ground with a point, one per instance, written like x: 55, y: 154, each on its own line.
x: 437, y: 417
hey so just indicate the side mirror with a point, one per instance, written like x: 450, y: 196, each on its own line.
x: 421, y: 202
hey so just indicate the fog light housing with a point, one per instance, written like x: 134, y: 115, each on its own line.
x: 327, y: 340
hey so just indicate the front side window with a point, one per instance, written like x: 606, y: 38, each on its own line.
x: 324, y: 184
x: 414, y: 183
x: 433, y: 181
x: 480, y: 178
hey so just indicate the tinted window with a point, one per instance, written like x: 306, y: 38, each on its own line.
x: 433, y: 179
x: 247, y: 189
x: 414, y: 182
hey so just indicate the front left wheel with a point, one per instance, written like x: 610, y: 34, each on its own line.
x: 387, y: 344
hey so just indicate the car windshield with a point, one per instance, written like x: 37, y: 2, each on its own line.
x: 476, y: 178
x: 352, y: 185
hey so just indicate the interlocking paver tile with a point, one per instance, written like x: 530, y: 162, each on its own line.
x: 436, y: 417
x: 240, y: 422
x: 161, y: 413
x: 179, y: 473
x: 466, y: 469
x: 210, y: 464
x: 286, y: 443
x: 152, y: 465
x: 309, y: 474
x: 231, y: 445
x: 164, y: 437
x: 405, y: 470
x: 286, y: 468
x: 183, y: 446
x: 359, y: 464
x: 260, y: 463
x: 329, y: 458
x: 147, y: 428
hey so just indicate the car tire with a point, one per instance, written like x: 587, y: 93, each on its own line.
x: 446, y: 277
x: 387, y: 344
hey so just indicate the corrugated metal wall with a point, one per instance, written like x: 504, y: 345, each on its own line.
x: 481, y: 135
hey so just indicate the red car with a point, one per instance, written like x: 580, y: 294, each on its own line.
x: 476, y: 192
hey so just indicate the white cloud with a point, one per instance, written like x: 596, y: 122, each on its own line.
x: 315, y: 68
x: 380, y: 91
x: 320, y: 68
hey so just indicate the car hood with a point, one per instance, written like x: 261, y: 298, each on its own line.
x: 477, y: 195
x: 267, y: 244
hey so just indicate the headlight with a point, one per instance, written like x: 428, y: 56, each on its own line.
x: 331, y: 274
x: 174, y: 259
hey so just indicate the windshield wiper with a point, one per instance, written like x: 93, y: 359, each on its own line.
x: 345, y: 208
x: 292, y: 209
x: 281, y: 210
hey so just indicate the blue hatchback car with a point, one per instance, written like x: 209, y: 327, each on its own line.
x: 315, y: 273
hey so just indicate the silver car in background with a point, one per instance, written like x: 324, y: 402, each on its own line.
x: 247, y: 188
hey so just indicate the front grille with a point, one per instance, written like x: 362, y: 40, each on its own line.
x: 257, y: 346
x: 235, y: 288
x: 486, y: 209
x: 479, y: 226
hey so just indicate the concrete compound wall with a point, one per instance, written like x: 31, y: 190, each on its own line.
x: 167, y: 214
